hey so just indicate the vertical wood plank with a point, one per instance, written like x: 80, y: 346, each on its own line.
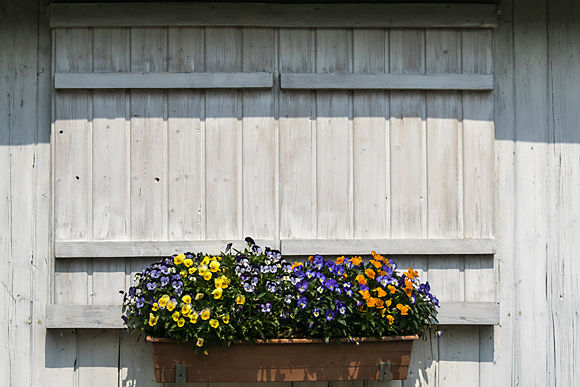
x: 370, y: 137
x: 332, y: 138
x: 260, y: 139
x: 136, y: 363
x: 185, y: 138
x: 459, y: 356
x: 223, y: 138
x: 296, y: 139
x: 407, y: 138
x: 531, y: 330
x: 564, y: 183
x: 148, y: 140
x: 110, y: 178
x: 504, y: 117
x: 98, y: 357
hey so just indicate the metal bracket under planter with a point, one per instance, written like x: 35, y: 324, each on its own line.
x: 385, y: 371
x: 180, y: 373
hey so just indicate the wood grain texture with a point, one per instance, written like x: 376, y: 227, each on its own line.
x: 386, y: 246
x: 384, y: 81
x: 108, y: 316
x: 274, y: 15
x: 297, y: 140
x: 128, y: 249
x: 236, y: 80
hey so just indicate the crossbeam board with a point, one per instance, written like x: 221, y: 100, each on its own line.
x: 163, y: 80
x: 273, y: 15
x: 387, y: 246
x: 140, y: 249
x: 387, y: 81
x: 109, y: 316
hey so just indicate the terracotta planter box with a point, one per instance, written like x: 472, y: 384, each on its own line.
x: 283, y: 360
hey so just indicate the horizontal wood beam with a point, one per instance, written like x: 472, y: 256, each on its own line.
x: 387, y: 246
x: 140, y: 249
x: 272, y: 15
x: 387, y: 81
x: 163, y: 80
x: 109, y: 316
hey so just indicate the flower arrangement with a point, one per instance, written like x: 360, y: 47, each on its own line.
x: 256, y: 294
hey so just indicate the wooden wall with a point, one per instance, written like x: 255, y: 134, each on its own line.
x: 537, y: 169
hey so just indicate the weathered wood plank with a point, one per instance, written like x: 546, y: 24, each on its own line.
x: 109, y: 316
x: 160, y: 80
x: 259, y: 139
x: 186, y: 137
x: 273, y: 15
x: 407, y: 151
x: 148, y: 140
x: 297, y: 140
x: 223, y: 153
x: 405, y: 246
x: 371, y: 193
x: 333, y: 153
x: 385, y: 81
x: 98, y: 357
x: 136, y: 249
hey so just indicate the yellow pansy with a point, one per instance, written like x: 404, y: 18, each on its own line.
x: 376, y: 264
x: 152, y: 319
x: 183, y: 273
x: 217, y: 293
x: 186, y: 299
x: 199, y: 342
x: 412, y: 273
x: 361, y: 279
x: 392, y: 289
x: 404, y: 309
x: 207, y: 275
x: 202, y: 269
x: 186, y: 309
x: 188, y: 262
x: 178, y: 259
x: 356, y: 260
x: 391, y: 319
x: 370, y: 273
x: 192, y: 270
x: 193, y: 317
x: 180, y: 322
x: 218, y: 282
x: 365, y: 293
x: 226, y: 281
x: 205, y: 314
x: 340, y: 260
x: 155, y: 307
x: 171, y: 304
x: 380, y: 292
x: 214, y: 323
x: 388, y: 303
x: 164, y: 300
x: 227, y: 319
x: 175, y: 316
x: 214, y: 266
x: 240, y: 300
x: 199, y: 296
x: 205, y: 261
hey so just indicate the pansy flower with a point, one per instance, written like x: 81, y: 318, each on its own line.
x: 303, y: 302
x: 329, y: 315
x: 266, y: 307
x: 302, y: 286
x: 316, y: 312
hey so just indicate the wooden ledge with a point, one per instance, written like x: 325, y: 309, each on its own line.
x: 109, y: 316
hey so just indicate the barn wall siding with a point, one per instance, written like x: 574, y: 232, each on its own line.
x: 537, y: 173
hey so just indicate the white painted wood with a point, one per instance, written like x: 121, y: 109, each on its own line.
x: 223, y: 151
x: 531, y: 329
x: 260, y: 139
x: 148, y: 140
x: 136, y: 363
x: 109, y: 316
x: 297, y: 134
x: 164, y: 80
x: 407, y: 138
x: 386, y: 81
x: 371, y: 204
x: 407, y: 246
x: 564, y: 209
x: 273, y: 15
x: 502, y: 372
x: 128, y: 249
x: 459, y: 357
x: 332, y: 139
x: 98, y: 357
x: 186, y: 113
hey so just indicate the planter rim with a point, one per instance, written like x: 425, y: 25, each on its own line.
x: 299, y: 341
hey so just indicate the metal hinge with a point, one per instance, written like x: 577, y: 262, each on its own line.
x: 385, y: 371
x: 180, y: 373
